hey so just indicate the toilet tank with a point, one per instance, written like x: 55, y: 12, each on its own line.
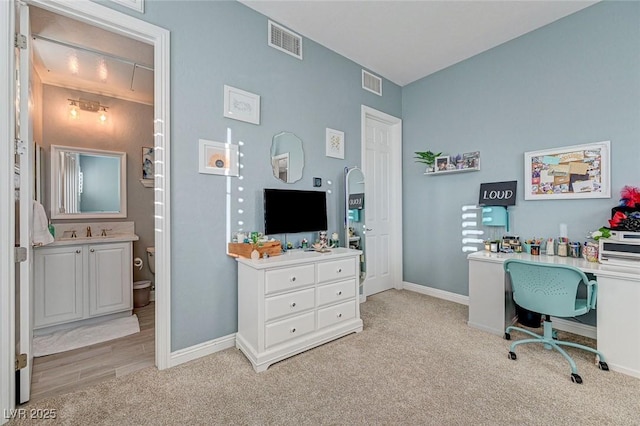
x: 151, y: 259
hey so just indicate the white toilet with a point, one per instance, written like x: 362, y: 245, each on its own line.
x: 151, y: 261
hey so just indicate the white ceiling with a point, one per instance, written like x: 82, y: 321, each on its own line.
x: 398, y: 39
x: 404, y: 41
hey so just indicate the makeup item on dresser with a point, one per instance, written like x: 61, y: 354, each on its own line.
x: 535, y: 249
x: 550, y: 247
x: 574, y: 249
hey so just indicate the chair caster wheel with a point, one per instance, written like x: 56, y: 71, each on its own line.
x: 603, y: 366
x: 512, y: 355
x: 576, y: 378
x: 507, y: 336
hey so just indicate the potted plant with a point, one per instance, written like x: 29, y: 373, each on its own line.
x: 255, y: 243
x: 428, y: 158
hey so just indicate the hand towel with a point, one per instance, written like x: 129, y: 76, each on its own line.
x: 41, y: 235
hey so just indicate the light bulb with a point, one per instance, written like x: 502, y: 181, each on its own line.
x: 102, y: 115
x: 73, y: 110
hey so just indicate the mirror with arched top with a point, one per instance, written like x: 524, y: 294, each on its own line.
x: 287, y: 157
x: 355, y: 214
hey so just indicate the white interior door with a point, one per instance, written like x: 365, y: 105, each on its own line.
x: 24, y: 206
x: 381, y: 153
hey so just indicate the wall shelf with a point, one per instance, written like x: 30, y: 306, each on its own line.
x: 444, y: 172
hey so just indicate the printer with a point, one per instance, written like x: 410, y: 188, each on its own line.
x: 622, y: 248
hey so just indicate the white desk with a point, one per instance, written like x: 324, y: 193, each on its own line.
x: 491, y: 306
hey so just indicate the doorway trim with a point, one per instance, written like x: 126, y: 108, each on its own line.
x: 395, y: 184
x: 7, y: 223
x: 131, y: 27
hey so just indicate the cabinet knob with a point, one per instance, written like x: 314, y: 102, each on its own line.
x: 292, y: 279
x: 293, y: 330
x: 339, y: 293
x: 339, y: 315
x: 339, y: 270
x: 78, y: 251
x: 92, y: 250
x: 293, y: 304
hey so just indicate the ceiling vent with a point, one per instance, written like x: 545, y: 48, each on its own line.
x: 285, y: 40
x: 372, y: 83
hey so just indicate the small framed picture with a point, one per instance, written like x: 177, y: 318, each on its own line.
x: 147, y: 163
x: 335, y: 143
x: 442, y: 163
x: 218, y: 158
x: 241, y: 105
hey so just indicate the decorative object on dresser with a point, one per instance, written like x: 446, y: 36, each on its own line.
x: 295, y: 302
x: 271, y: 248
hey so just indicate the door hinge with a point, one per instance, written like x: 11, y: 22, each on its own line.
x: 20, y: 41
x: 19, y: 254
x: 20, y: 147
x: 21, y: 361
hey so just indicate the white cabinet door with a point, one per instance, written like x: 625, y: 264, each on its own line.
x: 110, y: 278
x: 58, y: 285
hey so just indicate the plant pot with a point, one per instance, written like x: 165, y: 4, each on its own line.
x: 430, y: 169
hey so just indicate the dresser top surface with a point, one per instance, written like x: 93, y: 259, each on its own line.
x: 295, y: 257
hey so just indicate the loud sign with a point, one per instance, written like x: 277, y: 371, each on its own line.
x: 498, y: 193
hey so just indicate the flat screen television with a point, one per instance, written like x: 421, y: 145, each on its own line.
x: 287, y: 211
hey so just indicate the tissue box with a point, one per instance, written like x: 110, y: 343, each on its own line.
x: 272, y: 248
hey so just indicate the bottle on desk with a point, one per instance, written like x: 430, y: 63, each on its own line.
x: 562, y: 249
x: 550, y: 247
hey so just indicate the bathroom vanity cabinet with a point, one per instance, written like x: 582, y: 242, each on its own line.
x: 294, y: 302
x: 74, y: 282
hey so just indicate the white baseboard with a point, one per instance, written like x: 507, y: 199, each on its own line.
x: 203, y: 349
x: 574, y: 327
x: 434, y: 292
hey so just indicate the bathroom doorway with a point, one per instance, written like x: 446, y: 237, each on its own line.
x: 91, y: 362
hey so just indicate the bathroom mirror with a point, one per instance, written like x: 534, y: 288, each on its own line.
x: 355, y: 214
x: 88, y: 183
x: 287, y: 157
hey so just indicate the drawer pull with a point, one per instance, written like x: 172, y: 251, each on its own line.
x: 293, y: 330
x: 339, y: 293
x: 293, y: 304
x: 292, y: 279
x: 339, y: 315
x: 339, y: 270
x: 92, y: 250
x: 78, y: 251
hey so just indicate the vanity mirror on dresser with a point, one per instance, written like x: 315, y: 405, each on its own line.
x: 294, y: 302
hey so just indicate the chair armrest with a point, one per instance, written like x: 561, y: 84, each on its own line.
x: 592, y: 293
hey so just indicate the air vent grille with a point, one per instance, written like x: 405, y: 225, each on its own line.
x: 372, y: 83
x: 284, y: 40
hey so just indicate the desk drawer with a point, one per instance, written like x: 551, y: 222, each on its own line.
x: 335, y: 314
x: 287, y: 304
x: 339, y: 269
x: 331, y: 293
x: 281, y: 331
x: 288, y: 278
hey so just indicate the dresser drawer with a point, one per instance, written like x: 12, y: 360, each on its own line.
x: 339, y: 269
x: 281, y: 331
x: 288, y: 278
x: 335, y: 314
x: 290, y: 303
x: 331, y: 293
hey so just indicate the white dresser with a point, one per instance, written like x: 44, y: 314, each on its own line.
x: 291, y: 303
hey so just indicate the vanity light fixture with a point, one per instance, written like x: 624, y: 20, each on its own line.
x: 75, y: 105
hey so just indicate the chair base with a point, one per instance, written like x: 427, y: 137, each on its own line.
x: 549, y: 341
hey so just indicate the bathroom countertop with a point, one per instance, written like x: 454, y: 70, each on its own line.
x: 116, y: 238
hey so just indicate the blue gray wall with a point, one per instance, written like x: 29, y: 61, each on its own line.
x: 574, y: 81
x: 216, y: 43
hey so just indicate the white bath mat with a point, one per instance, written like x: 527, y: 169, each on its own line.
x: 86, y: 335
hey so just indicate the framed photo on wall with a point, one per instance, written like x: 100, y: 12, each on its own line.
x: 578, y: 171
x: 241, y: 105
x: 218, y: 158
x: 335, y: 143
x: 147, y: 163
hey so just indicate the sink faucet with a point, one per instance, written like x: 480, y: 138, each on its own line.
x: 104, y: 232
x: 73, y: 233
x: 88, y: 231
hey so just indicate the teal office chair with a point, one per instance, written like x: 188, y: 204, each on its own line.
x: 551, y: 289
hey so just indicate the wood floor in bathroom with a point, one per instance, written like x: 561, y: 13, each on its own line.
x: 69, y: 371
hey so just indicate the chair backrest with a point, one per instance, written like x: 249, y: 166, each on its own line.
x: 549, y: 289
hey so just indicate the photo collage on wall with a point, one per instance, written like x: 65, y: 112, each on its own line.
x: 568, y: 172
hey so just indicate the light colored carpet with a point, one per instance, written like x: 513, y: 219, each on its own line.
x: 86, y: 335
x: 416, y: 362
